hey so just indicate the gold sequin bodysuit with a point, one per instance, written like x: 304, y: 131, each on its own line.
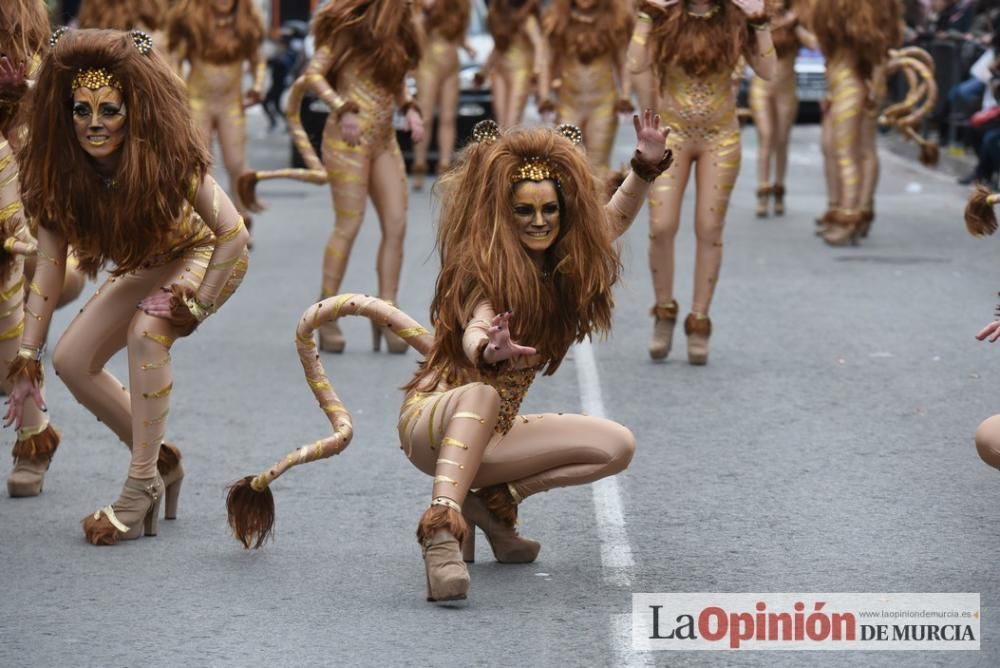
x: 216, y: 90
x: 376, y: 104
x: 698, y: 108
x: 587, y: 99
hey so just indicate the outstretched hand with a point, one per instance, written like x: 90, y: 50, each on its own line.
x: 991, y: 331
x: 650, y: 137
x: 499, y: 346
x: 12, y: 77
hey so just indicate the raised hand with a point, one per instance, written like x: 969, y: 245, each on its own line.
x: 499, y: 346
x: 749, y: 7
x: 650, y: 137
x: 12, y: 77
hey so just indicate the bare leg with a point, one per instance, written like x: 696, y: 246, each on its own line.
x: 717, y: 171
x: 348, y: 168
x: 447, y: 121
x: 520, y: 89
x: 233, y: 143
x: 428, y: 94
x: 869, y: 170
x: 786, y: 106
x: 389, y: 197
x: 848, y: 93
x: 501, y: 97
x: 665, y: 200
x: 830, y: 171
x: 762, y: 104
x: 599, y: 137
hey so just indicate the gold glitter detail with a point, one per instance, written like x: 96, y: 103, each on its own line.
x: 13, y: 332
x: 411, y: 332
x: 95, y: 79
x: 159, y: 394
x: 165, y: 341
x: 157, y: 365
x: 535, y: 169
x: 469, y: 415
x: 442, y: 460
x: 448, y: 440
x: 9, y: 211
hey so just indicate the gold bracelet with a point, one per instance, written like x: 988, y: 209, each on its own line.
x: 29, y: 353
x: 761, y: 26
x: 8, y: 244
x: 199, y: 311
x: 644, y: 17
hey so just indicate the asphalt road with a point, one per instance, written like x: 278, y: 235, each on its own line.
x: 826, y: 447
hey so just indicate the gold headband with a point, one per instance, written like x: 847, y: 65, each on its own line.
x: 95, y: 79
x: 535, y: 169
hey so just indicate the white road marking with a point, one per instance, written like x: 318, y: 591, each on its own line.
x: 616, y: 551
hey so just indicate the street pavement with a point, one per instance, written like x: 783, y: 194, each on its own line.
x: 826, y: 447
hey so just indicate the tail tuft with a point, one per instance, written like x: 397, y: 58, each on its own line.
x: 251, y: 513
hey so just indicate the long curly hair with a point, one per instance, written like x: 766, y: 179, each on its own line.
x: 449, y: 18
x: 162, y: 154
x: 605, y: 30
x: 859, y: 30
x: 482, y: 258
x: 505, y: 19
x: 786, y: 43
x: 699, y: 46
x: 122, y: 14
x: 384, y: 35
x: 192, y: 29
x: 24, y: 33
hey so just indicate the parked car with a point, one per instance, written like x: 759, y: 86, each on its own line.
x: 810, y: 78
x: 474, y: 103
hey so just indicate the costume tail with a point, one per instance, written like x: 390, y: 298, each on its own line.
x: 314, y: 172
x: 918, y: 67
x: 980, y: 219
x: 250, y: 503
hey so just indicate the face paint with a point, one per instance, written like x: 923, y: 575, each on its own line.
x: 99, y: 121
x: 536, y: 215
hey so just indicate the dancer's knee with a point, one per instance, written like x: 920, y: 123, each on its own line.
x: 70, y: 363
x: 988, y: 441
x: 620, y: 444
x: 484, y: 400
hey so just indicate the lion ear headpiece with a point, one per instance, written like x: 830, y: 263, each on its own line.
x: 95, y: 78
x: 534, y: 168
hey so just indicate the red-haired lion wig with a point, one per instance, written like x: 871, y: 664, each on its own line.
x: 699, y: 45
x: 505, y: 19
x: 449, y: 18
x: 859, y: 30
x: 384, y: 34
x: 192, y: 30
x: 122, y: 14
x: 607, y: 29
x: 24, y: 32
x: 482, y: 257
x: 162, y: 155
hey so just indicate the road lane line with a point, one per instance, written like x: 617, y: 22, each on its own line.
x: 617, y: 561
